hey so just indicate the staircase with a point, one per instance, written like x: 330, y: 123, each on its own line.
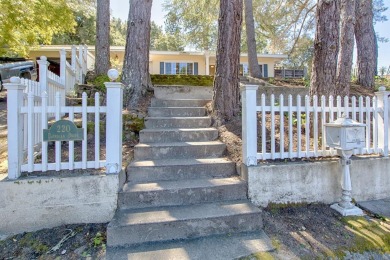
x: 181, y: 194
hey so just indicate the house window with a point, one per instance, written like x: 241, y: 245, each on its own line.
x: 179, y: 68
x: 244, y: 69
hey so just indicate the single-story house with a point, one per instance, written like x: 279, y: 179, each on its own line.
x: 170, y: 62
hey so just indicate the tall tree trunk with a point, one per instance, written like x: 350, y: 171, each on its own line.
x: 344, y: 61
x: 102, y: 47
x: 365, y: 43
x: 135, y: 76
x: 226, y: 82
x: 326, y: 46
x: 254, y: 69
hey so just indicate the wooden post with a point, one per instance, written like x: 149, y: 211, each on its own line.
x: 383, y: 120
x: 114, y: 127
x: 15, y: 127
x: 249, y: 124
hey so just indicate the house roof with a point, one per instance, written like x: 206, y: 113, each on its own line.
x: 122, y: 49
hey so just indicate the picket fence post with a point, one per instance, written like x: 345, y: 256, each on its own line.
x: 15, y: 126
x: 43, y: 67
x: 114, y: 127
x: 383, y: 120
x: 249, y: 124
x: 73, y: 59
x: 63, y: 69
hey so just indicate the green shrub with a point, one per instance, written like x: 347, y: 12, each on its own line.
x: 193, y: 80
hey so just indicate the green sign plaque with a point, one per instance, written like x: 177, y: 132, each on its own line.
x: 63, y: 130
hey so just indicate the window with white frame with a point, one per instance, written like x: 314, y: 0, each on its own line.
x: 179, y: 68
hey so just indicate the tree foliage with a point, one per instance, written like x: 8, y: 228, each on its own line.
x: 279, y: 25
x: 195, y: 19
x: 165, y: 41
x: 84, y: 31
x: 25, y: 24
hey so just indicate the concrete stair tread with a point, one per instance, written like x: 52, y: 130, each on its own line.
x: 183, y: 184
x: 220, y: 247
x: 178, y: 107
x: 190, y: 213
x: 180, y: 144
x: 183, y: 162
x: 176, y: 117
x: 146, y: 130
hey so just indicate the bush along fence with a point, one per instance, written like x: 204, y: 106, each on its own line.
x: 283, y: 131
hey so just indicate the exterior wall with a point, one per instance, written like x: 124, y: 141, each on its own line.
x: 117, y: 54
x: 316, y: 181
x: 34, y: 203
x: 155, y: 60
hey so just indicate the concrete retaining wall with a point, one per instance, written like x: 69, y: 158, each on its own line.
x: 183, y: 92
x: 316, y: 181
x: 30, y: 204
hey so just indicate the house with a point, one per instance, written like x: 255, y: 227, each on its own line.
x: 170, y: 62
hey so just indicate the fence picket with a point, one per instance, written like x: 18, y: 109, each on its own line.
x: 84, y: 124
x: 368, y: 127
x: 71, y: 143
x: 299, y: 127
x: 339, y: 108
x: 30, y: 131
x: 375, y: 124
x: 58, y: 143
x: 97, y: 130
x: 272, y: 127
x: 353, y: 108
x: 281, y: 123
x: 307, y: 125
x: 44, y: 126
x: 263, y: 128
x: 315, y: 124
x: 323, y: 121
x: 290, y: 127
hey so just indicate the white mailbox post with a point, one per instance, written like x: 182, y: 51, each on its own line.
x: 345, y: 135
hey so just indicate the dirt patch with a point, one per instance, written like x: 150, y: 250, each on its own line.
x: 65, y: 242
x: 315, y: 231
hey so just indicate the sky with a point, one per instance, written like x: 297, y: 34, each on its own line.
x: 120, y: 8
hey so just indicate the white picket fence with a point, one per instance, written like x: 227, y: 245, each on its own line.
x: 31, y: 105
x: 28, y: 118
x: 287, y: 131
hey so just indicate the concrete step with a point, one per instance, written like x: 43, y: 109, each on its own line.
x: 179, y: 169
x: 177, y: 122
x: 176, y: 111
x: 132, y: 227
x: 181, y: 192
x: 179, y: 150
x: 178, y: 103
x: 222, y: 247
x: 165, y: 135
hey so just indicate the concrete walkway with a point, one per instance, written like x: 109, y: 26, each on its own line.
x: 378, y: 207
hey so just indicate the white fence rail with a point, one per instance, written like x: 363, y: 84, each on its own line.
x: 281, y: 130
x: 28, y: 118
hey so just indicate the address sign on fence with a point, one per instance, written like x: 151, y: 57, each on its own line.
x: 63, y: 130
